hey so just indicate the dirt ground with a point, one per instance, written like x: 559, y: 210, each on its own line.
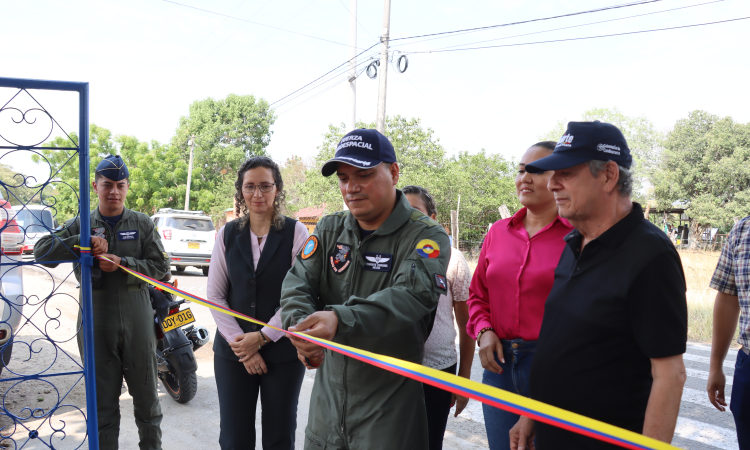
x: 39, y: 404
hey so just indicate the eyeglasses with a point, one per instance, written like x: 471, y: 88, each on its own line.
x: 264, y: 188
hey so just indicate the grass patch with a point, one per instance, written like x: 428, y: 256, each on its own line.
x: 699, y: 267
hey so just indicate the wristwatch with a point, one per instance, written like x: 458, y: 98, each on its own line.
x: 123, y: 262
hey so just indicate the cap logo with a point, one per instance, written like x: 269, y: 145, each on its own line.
x: 353, y: 141
x: 608, y: 148
x: 358, y: 161
x: 565, y: 141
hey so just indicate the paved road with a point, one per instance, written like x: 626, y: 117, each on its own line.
x: 700, y: 425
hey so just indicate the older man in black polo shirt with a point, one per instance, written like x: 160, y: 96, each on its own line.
x: 615, y: 322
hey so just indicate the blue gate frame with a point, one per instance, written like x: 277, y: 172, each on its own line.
x: 85, y: 260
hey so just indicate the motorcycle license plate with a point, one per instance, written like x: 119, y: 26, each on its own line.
x: 195, y: 245
x: 177, y: 320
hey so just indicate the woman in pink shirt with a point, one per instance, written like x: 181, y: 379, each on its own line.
x: 513, y: 278
x: 251, y: 257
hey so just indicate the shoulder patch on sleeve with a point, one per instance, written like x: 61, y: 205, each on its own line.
x: 418, y: 216
x: 310, y: 247
x: 427, y: 248
x: 440, y: 282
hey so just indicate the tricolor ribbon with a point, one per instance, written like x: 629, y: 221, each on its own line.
x: 489, y: 395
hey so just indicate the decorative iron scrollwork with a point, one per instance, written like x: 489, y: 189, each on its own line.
x: 14, y: 113
x: 42, y: 386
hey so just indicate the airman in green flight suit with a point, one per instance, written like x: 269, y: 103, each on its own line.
x: 124, y: 335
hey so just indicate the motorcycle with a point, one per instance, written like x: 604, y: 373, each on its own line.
x: 178, y: 337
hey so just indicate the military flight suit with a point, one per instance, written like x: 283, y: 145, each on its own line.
x: 384, y: 290
x: 124, y: 336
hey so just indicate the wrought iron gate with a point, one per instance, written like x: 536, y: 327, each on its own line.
x: 42, y: 373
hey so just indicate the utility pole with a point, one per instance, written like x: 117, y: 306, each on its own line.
x: 383, y: 68
x: 352, y: 106
x: 190, y: 173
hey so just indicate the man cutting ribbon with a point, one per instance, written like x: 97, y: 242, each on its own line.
x: 371, y: 278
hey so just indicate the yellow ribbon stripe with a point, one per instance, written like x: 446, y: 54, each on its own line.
x: 499, y: 398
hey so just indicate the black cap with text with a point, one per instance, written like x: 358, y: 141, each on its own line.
x: 363, y: 148
x: 583, y: 142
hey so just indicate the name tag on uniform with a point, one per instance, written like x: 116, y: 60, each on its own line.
x: 130, y: 235
x: 379, y: 262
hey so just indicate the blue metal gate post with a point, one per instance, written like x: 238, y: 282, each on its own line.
x: 85, y: 261
x: 86, y: 264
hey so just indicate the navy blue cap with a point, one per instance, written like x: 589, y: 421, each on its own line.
x: 113, y: 167
x: 363, y: 148
x: 583, y: 142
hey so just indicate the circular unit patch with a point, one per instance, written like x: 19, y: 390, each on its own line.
x: 427, y: 248
x: 311, y: 245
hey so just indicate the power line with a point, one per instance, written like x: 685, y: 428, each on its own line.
x: 442, y: 34
x: 231, y: 35
x: 563, y: 28
x: 321, y: 92
x: 466, y: 30
x: 579, y: 38
x: 355, y: 18
x: 256, y: 23
x: 331, y: 78
x: 325, y: 74
x: 274, y: 32
x: 214, y: 30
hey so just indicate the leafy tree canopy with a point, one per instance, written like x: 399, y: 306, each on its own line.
x: 225, y: 132
x: 20, y: 189
x: 293, y: 173
x: 484, y: 181
x: 63, y: 166
x: 705, y: 166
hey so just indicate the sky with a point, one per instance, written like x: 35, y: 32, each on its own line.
x: 148, y: 60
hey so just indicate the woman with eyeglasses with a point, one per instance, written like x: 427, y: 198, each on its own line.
x: 440, y: 348
x: 514, y: 276
x: 250, y: 259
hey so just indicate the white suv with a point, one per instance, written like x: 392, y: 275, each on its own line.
x: 188, y: 237
x: 35, y: 221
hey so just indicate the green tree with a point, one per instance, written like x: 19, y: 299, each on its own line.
x: 644, y: 141
x: 19, y: 188
x: 64, y: 169
x: 484, y: 181
x: 293, y: 173
x: 421, y: 158
x: 226, y: 132
x: 705, y: 165
x: 158, y: 173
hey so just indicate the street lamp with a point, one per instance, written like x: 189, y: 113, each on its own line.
x: 191, y: 143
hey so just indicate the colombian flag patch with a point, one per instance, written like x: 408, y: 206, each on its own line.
x: 427, y: 248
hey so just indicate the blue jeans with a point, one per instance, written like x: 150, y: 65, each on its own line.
x: 515, y: 378
x: 740, y: 402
